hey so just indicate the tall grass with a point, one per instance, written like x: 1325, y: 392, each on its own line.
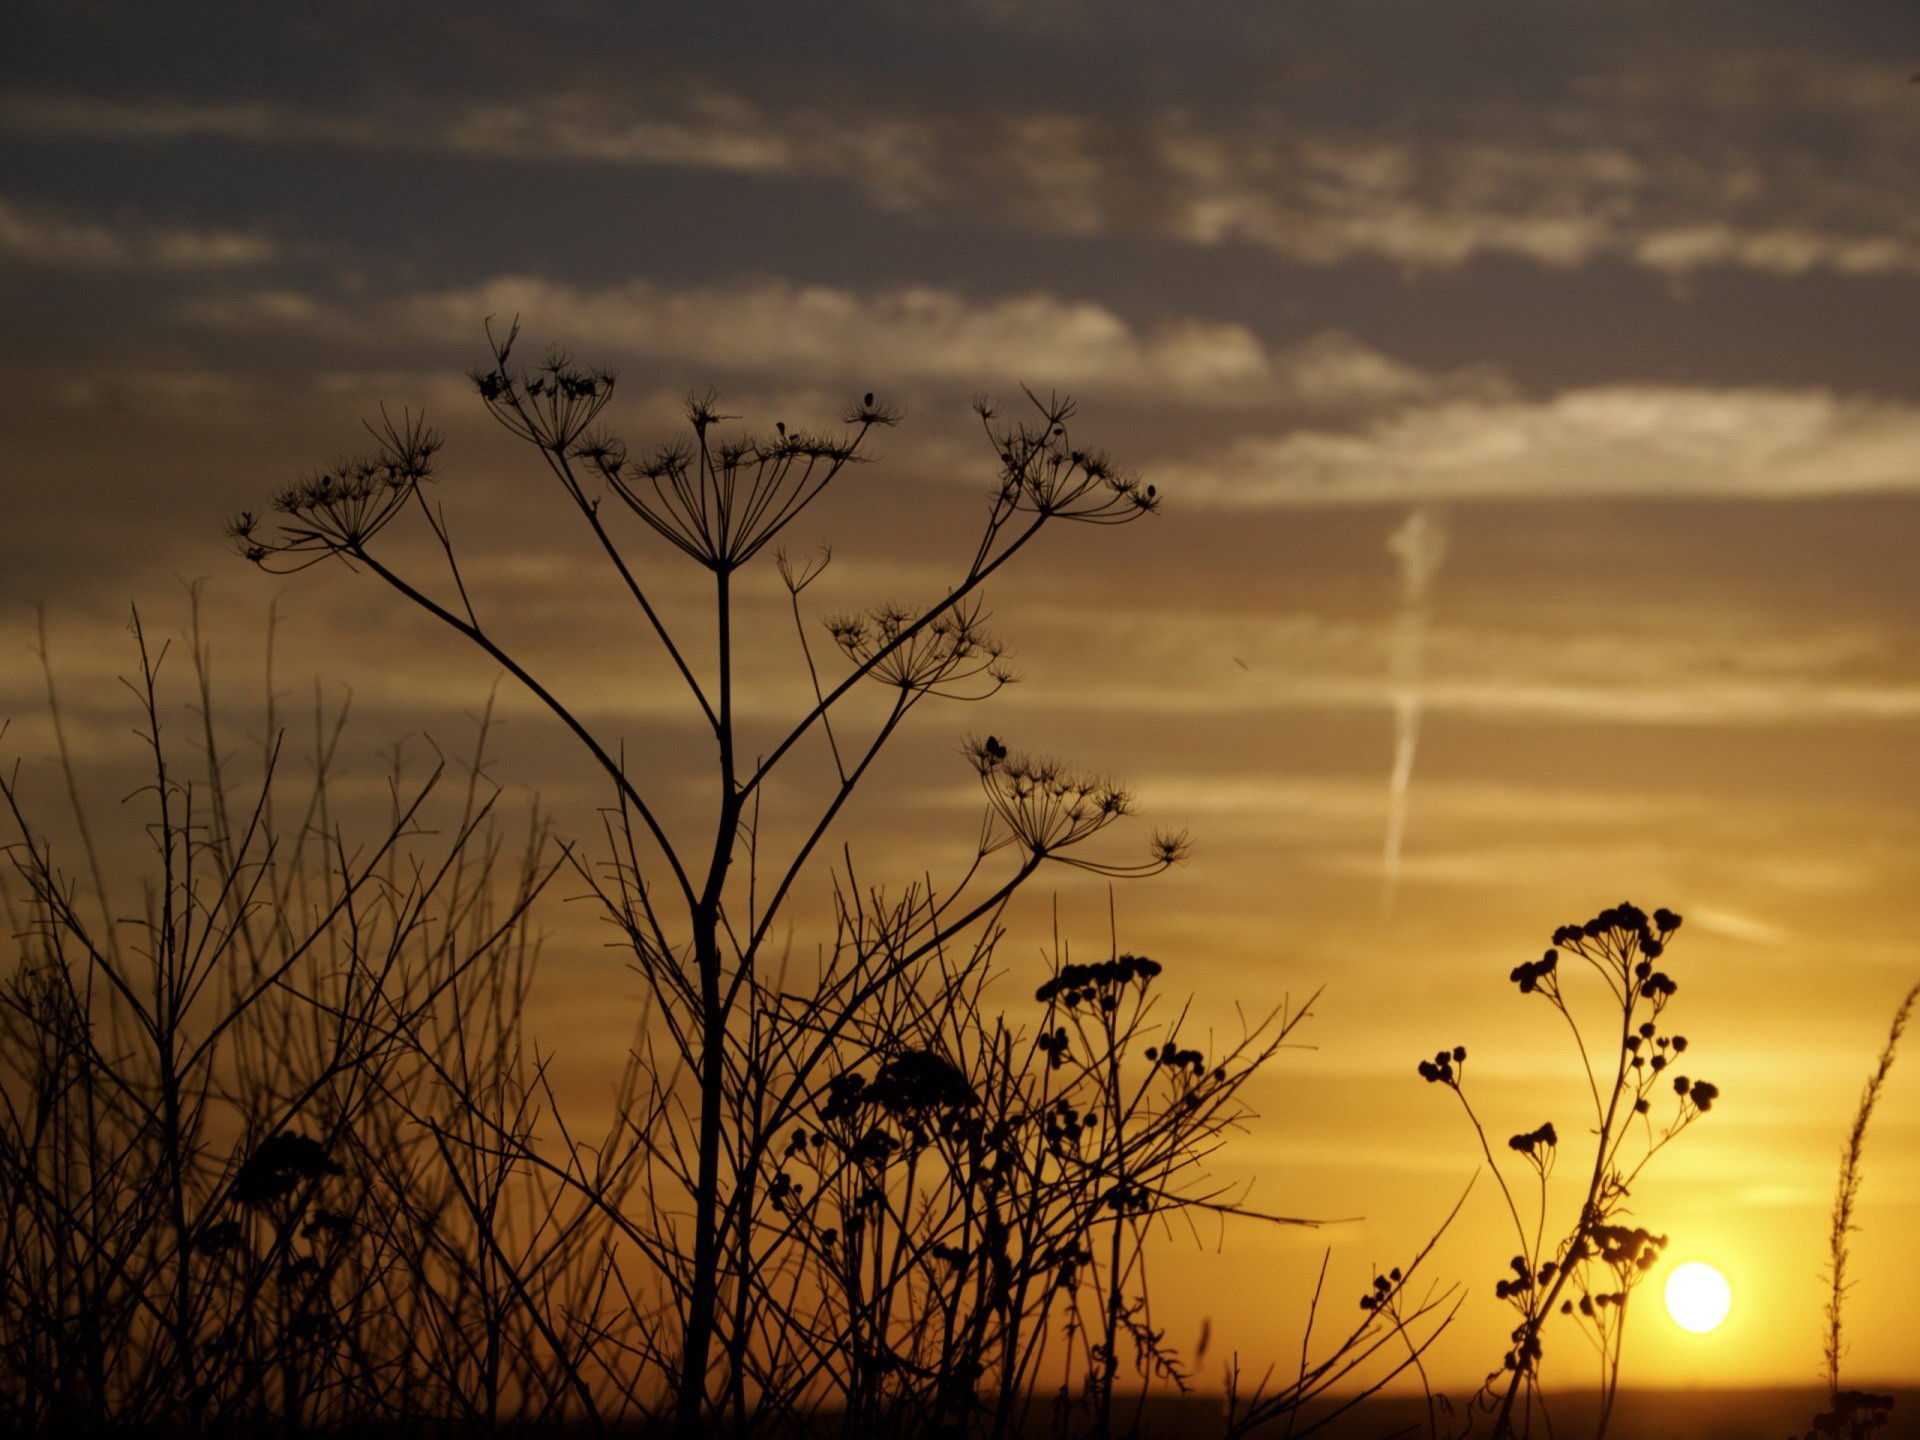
x: 230, y: 1194
x: 1854, y: 1413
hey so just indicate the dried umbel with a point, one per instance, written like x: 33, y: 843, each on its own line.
x: 279, y: 1166
x: 549, y: 405
x: 1044, y: 473
x: 720, y: 498
x: 340, y: 509
x: 1044, y: 809
x: 951, y: 655
x: 755, y: 1106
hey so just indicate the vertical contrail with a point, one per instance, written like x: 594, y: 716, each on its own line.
x: 1419, y: 545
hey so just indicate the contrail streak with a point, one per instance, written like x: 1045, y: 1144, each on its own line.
x: 1420, y: 545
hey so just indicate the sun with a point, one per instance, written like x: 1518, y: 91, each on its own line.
x: 1698, y: 1297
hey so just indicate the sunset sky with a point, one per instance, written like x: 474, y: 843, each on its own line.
x: 1611, y: 307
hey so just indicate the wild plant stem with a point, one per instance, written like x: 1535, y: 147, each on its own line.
x: 1849, y: 1187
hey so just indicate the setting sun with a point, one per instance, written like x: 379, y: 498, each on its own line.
x: 1698, y: 1297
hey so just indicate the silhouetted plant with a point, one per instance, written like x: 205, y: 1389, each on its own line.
x: 984, y: 1197
x: 845, y: 1184
x: 1391, y: 1320
x: 217, y: 1217
x: 1588, y: 1271
x: 1854, y: 1413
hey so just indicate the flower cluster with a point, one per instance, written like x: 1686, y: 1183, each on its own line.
x: 1066, y: 1262
x: 939, y: 657
x: 1193, y: 1063
x: 1099, y: 983
x: 1526, y: 1351
x: 1624, y: 923
x: 1440, y: 1070
x: 784, y: 1193
x: 1043, y: 472
x: 1852, y: 1415
x: 1652, y: 1052
x: 1531, y: 975
x: 341, y: 508
x: 278, y: 1166
x: 1524, y: 1281
x: 1699, y: 1094
x: 1127, y: 1197
x: 719, y: 500
x: 1053, y: 1044
x: 1538, y: 1146
x: 1062, y: 1124
x: 915, y: 1096
x: 1626, y: 1247
x: 1385, y: 1287
x: 1622, y: 943
x: 916, y: 1082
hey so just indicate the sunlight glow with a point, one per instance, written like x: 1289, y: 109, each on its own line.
x: 1698, y: 1297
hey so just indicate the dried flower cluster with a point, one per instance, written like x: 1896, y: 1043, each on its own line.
x: 1043, y: 472
x: 337, y: 511
x: 1590, y: 1272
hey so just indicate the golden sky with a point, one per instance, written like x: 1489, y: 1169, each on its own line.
x: 1615, y: 303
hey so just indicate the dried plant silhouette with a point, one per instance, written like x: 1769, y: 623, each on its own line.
x: 236, y: 1200
x: 278, y: 1155
x: 844, y: 1186
x: 1586, y: 1270
x: 1852, y: 1414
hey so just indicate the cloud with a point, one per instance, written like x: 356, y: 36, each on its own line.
x: 1724, y: 192
x: 168, y: 119
x: 1781, y: 251
x: 1674, y: 667
x: 909, y: 333
x: 1619, y: 440
x: 45, y: 236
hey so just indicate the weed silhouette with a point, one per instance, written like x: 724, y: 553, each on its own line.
x: 848, y: 1188
x: 1588, y: 1272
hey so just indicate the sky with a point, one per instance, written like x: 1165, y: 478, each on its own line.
x: 1529, y: 389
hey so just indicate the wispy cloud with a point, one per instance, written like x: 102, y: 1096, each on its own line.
x: 42, y: 235
x: 904, y: 334
x: 1676, y: 668
x: 1595, y: 185
x: 1621, y: 440
x: 164, y: 119
x: 1420, y: 545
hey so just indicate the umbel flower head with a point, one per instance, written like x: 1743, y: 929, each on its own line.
x: 1623, y: 943
x: 1098, y: 983
x: 720, y: 499
x: 551, y: 404
x: 1043, y: 472
x: 915, y: 1081
x: 951, y: 655
x: 1046, y: 809
x: 339, y: 509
